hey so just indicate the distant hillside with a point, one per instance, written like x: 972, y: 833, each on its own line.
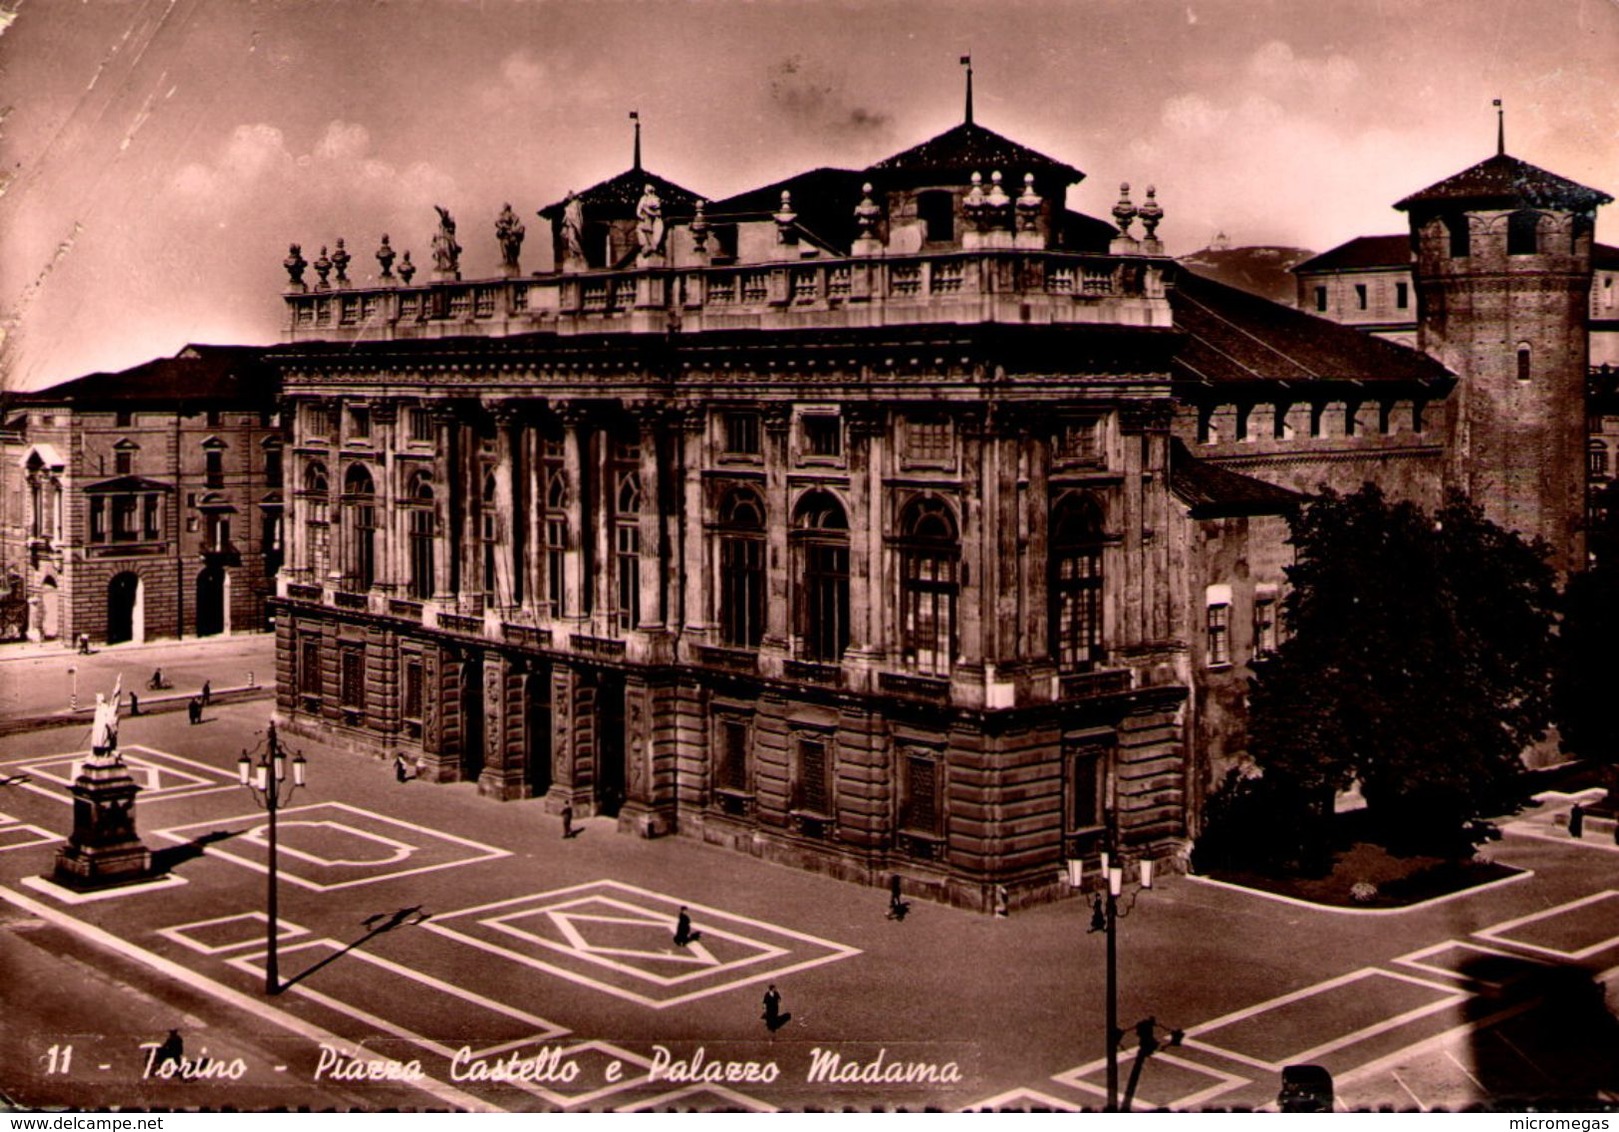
x: 1262, y: 271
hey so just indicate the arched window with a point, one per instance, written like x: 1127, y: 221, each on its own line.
x: 929, y: 556
x: 360, y: 507
x: 1523, y: 232
x: 423, y: 531
x: 821, y: 545
x: 556, y: 539
x: 742, y: 569
x: 627, y: 549
x: 1524, y: 361
x: 1075, y: 583
x: 317, y: 520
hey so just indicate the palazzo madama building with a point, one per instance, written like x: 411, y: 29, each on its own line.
x: 895, y: 520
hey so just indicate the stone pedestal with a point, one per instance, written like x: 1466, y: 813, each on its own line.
x: 104, y: 849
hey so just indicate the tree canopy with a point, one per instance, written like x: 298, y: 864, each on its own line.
x: 1418, y: 660
x: 1587, y: 723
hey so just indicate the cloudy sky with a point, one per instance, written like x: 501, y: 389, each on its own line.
x: 159, y: 155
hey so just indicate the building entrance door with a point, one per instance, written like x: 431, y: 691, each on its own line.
x: 537, y: 731
x: 471, y: 718
x: 123, y: 612
x: 211, y: 601
x: 610, y: 744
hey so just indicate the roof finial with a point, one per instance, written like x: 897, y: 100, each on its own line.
x: 967, y: 61
x: 1500, y: 129
x: 635, y: 116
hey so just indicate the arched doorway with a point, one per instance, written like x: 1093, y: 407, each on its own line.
x: 211, y: 586
x: 50, y: 621
x: 126, y: 619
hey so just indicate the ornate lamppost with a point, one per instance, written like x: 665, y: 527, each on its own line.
x: 1105, y: 917
x: 266, y: 781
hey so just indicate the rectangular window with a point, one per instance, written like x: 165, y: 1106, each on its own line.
x: 272, y: 467
x: 309, y: 681
x: 1360, y: 295
x: 411, y: 695
x: 1087, y: 766
x: 98, y: 518
x: 927, y: 441
x: 1320, y: 298
x: 360, y: 422
x: 810, y: 782
x: 1264, y: 625
x: 742, y: 434
x: 216, y: 467
x: 919, y: 810
x: 1219, y: 625
x: 149, y: 518
x: 123, y: 418
x: 823, y: 435
x: 351, y: 687
x: 732, y: 770
x: 556, y: 547
x: 124, y: 518
x: 629, y: 575
x: 123, y: 463
x: 1402, y: 295
x: 1081, y: 441
x: 421, y: 425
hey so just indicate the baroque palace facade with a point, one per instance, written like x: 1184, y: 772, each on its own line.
x: 896, y: 520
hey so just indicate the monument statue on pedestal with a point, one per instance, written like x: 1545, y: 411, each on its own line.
x: 104, y: 849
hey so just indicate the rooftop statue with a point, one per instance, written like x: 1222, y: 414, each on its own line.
x: 446, y: 252
x: 573, y: 227
x: 649, y: 214
x: 509, y: 231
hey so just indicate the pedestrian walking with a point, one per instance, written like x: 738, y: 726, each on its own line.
x: 772, y: 1014
x: 170, y: 1052
x: 134, y: 704
x: 567, y: 820
x: 207, y: 692
x: 401, y: 767
x: 1576, y: 821
x: 683, y: 932
x: 897, y: 908
x: 194, y: 710
x: 84, y: 644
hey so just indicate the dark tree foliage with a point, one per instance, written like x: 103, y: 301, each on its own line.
x: 1586, y: 720
x: 1418, y: 660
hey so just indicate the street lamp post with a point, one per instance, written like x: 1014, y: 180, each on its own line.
x: 266, y: 781
x: 1105, y: 916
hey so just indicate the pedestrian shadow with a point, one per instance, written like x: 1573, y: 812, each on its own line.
x: 16, y: 779
x: 776, y: 1023
x: 900, y: 910
x: 165, y: 860
x: 571, y: 834
x: 376, y: 924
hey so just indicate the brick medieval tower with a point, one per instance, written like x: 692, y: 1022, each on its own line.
x: 1503, y: 277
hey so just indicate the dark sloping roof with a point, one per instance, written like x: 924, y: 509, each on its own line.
x: 1232, y: 336
x: 197, y: 374
x: 1362, y: 252
x: 1214, y: 492
x: 970, y: 148
x: 1504, y: 181
x: 616, y: 197
x: 126, y: 484
x: 1604, y: 255
x: 1082, y: 233
x: 824, y: 200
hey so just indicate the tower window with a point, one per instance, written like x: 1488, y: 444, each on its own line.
x: 1523, y: 361
x: 1402, y: 295
x: 1460, y: 236
x: 1523, y: 233
x: 1320, y: 298
x: 936, y: 209
x: 1360, y: 295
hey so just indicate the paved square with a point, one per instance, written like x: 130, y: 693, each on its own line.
x: 619, y: 939
x: 1316, y: 1020
x: 1167, y: 1080
x: 1459, y: 959
x: 20, y: 835
x: 162, y: 776
x: 226, y: 933
x: 1573, y: 931
x: 330, y: 845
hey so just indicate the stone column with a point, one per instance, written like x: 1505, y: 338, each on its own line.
x: 532, y: 555
x: 390, y: 559
x: 653, y: 570
x: 865, y: 526
x: 603, y: 504
x: 508, y: 525
x: 976, y: 573
x: 503, y: 769
x: 694, y: 600
x: 573, y: 463
x: 649, y: 803
x: 778, y: 421
x: 446, y: 508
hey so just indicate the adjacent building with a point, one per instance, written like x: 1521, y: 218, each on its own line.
x: 144, y: 503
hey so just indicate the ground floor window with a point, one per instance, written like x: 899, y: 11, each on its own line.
x: 351, y: 689
x: 921, y: 788
x: 811, y: 778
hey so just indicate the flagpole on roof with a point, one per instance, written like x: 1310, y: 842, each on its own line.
x: 635, y: 116
x: 967, y: 61
x: 1500, y: 129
